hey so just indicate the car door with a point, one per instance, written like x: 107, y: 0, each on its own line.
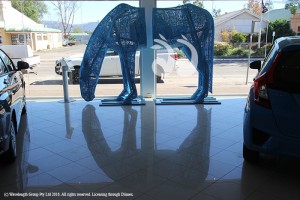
x: 285, y: 94
x: 13, y: 83
x: 5, y: 104
x: 109, y: 65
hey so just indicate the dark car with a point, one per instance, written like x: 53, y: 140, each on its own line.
x: 12, y: 104
x: 272, y: 112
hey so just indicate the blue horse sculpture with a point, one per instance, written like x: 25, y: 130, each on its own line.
x: 191, y: 29
x: 122, y: 30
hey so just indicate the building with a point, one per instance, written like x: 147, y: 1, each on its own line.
x: 16, y: 28
x: 275, y: 14
x: 285, y: 14
x: 295, y: 23
x: 240, y: 20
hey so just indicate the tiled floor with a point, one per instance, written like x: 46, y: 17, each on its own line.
x: 146, y: 152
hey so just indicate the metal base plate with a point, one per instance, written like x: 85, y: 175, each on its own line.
x: 114, y: 102
x: 184, y: 101
x: 63, y: 101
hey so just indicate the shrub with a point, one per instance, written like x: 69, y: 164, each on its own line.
x: 180, y: 53
x: 238, y: 38
x: 221, y: 48
x: 281, y: 27
x: 225, y: 35
x: 239, y: 52
x: 261, y: 51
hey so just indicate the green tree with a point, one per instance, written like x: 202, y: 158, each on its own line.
x: 198, y: 3
x: 31, y: 8
x: 281, y: 27
x: 292, y: 5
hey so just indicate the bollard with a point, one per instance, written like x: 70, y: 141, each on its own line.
x: 65, y: 84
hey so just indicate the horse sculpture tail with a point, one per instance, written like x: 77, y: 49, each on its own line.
x: 192, y: 25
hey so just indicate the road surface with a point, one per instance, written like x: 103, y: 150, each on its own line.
x: 229, y: 77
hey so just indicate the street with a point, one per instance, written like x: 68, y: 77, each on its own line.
x: 229, y: 77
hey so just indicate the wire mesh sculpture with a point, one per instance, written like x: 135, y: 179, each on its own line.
x: 191, y: 29
x: 122, y: 30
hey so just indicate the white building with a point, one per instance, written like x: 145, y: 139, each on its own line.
x: 240, y: 20
x: 16, y: 28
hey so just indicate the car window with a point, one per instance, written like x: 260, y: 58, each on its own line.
x: 3, y: 69
x: 111, y: 53
x: 269, y: 58
x: 287, y: 72
x: 6, y: 61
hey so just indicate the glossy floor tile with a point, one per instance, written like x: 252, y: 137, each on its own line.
x: 82, y: 151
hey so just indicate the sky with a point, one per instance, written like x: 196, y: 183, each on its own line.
x: 93, y: 11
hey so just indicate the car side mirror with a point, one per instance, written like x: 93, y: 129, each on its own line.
x: 22, y: 65
x: 255, y: 65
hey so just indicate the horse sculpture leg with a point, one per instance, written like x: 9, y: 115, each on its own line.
x: 126, y: 89
x: 203, y: 80
x: 128, y: 70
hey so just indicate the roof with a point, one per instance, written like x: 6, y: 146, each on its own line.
x: 228, y: 16
x: 273, y: 15
x: 10, y: 16
x: 21, y: 28
x: 287, y: 41
x: 78, y: 34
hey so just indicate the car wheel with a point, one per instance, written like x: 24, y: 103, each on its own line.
x: 12, y: 151
x: 158, y: 79
x: 250, y: 155
x: 74, y: 78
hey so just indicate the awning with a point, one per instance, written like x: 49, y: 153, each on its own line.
x: 21, y: 28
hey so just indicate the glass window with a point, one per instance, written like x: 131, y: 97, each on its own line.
x: 6, y: 61
x: 39, y: 37
x: 2, y: 68
x: 288, y: 71
x: 268, y: 60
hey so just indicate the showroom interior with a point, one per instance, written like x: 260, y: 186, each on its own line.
x: 69, y: 148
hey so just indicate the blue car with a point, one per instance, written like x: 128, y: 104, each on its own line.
x: 272, y: 112
x: 12, y: 104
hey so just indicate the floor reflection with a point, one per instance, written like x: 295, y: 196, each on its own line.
x: 155, y: 152
x: 191, y: 154
x: 15, y: 175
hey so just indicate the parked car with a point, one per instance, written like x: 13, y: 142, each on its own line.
x: 111, y: 66
x: 272, y: 112
x: 68, y: 42
x: 12, y: 104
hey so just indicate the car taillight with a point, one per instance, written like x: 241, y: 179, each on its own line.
x: 175, y: 56
x: 261, y: 91
x: 261, y: 85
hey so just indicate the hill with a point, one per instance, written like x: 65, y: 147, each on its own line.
x: 86, y: 27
